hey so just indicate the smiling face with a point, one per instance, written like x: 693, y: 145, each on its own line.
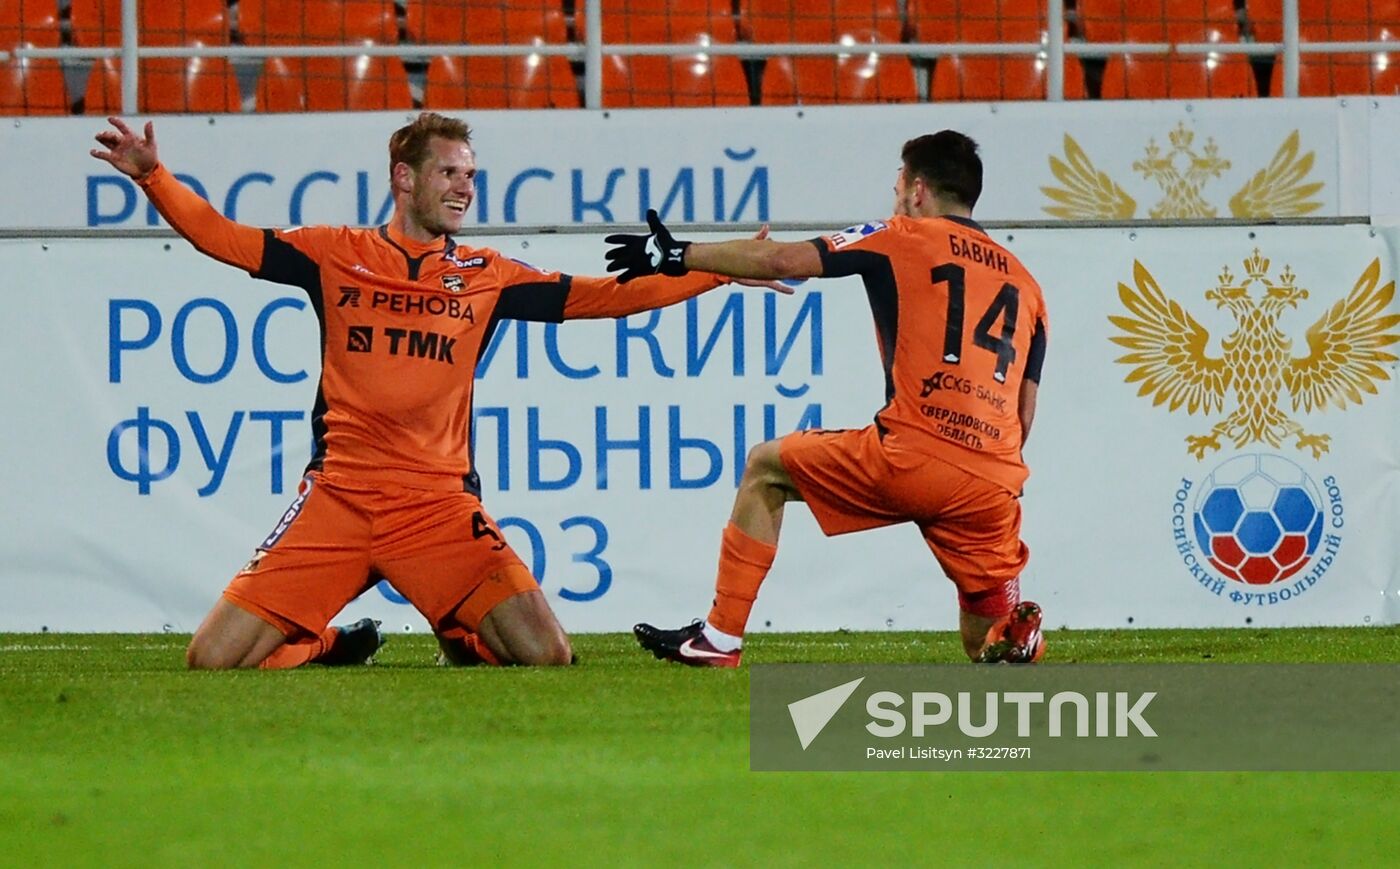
x: 434, y: 198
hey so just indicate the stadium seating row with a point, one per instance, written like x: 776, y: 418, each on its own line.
x: 211, y: 84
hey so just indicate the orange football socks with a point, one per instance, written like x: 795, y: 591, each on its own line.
x: 301, y: 652
x: 743, y: 563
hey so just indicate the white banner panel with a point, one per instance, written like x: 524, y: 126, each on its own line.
x: 1130, y: 159
x: 158, y: 424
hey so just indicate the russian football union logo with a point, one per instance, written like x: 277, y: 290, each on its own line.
x: 1259, y: 521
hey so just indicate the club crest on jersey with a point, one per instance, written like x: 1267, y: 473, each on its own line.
x: 852, y: 234
x: 452, y: 283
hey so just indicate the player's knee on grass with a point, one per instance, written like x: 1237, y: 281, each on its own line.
x: 544, y: 648
x: 196, y: 657
x: 203, y: 654
x: 522, y: 629
x: 548, y: 651
x: 231, y: 637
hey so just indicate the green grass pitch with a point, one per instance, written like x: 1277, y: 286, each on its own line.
x: 112, y: 755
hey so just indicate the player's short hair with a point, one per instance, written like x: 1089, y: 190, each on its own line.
x: 948, y: 163
x: 409, y: 144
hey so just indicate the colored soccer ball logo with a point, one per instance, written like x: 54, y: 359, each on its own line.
x: 1258, y: 519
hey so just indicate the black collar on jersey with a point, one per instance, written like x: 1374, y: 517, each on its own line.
x: 415, y: 263
x: 965, y: 221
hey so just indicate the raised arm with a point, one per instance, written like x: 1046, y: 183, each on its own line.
x: 190, y: 215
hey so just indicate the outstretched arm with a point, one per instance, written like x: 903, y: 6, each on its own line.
x: 593, y: 298
x: 190, y: 215
x: 658, y: 252
x: 750, y: 258
x: 606, y: 297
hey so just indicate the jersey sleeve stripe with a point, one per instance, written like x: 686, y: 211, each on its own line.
x: 284, y: 264
x: 840, y: 264
x: 877, y: 273
x: 539, y: 301
x: 1035, y: 358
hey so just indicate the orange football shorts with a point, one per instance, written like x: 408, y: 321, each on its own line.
x: 972, y: 526
x: 438, y: 549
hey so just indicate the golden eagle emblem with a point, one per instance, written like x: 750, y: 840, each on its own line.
x: 1344, y: 362
x: 1280, y: 189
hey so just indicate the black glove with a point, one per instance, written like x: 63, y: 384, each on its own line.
x: 640, y: 255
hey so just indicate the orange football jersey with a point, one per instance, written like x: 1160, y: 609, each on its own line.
x: 403, y: 325
x: 959, y: 322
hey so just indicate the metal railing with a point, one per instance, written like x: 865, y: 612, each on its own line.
x: 1053, y: 50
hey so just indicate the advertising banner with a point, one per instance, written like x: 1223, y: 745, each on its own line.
x: 836, y: 164
x: 1217, y: 441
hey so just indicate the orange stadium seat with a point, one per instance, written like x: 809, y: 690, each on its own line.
x: 1184, y: 76
x: 31, y: 87
x: 983, y: 20
x: 166, y: 85
x: 530, y: 82
x: 17, y: 16
x: 484, y: 22
x: 860, y: 76
x: 99, y: 22
x: 1386, y: 82
x: 519, y: 82
x: 1330, y: 74
x: 690, y: 80
x: 1337, y: 21
x: 322, y: 84
x: 1177, y: 77
x: 333, y: 84
x: 317, y: 22
x: 1265, y: 17
x: 818, y: 20
x: 989, y: 78
x: 644, y: 21
x: 1158, y: 20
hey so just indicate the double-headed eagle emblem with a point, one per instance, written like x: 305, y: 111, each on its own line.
x: 1344, y: 362
x: 1181, y: 171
